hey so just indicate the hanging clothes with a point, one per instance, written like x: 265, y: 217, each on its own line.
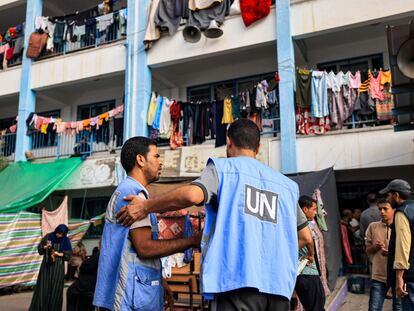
x: 227, y: 112
x: 320, y: 254
x: 176, y: 139
x: 245, y: 106
x: 152, y: 109
x: 195, y: 5
x: 386, y: 77
x: 236, y: 107
x: 52, y: 219
x: 355, y: 80
x: 335, y: 99
x: 349, y: 98
x: 364, y: 87
x: 165, y: 119
x: 254, y: 10
x: 202, y: 18
x: 303, y: 88
x: 169, y: 15
x: 375, y: 85
x: 219, y: 128
x: 261, y: 92
x: 105, y: 21
x: 319, y: 104
x: 152, y: 32
x: 59, y: 32
x: 157, y: 117
x: 384, y: 107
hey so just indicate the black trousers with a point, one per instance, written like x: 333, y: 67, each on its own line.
x: 249, y: 299
x: 310, y: 291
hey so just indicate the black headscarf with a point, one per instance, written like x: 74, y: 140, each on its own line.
x: 63, y: 242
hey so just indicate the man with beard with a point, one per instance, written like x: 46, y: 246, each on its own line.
x: 129, y: 273
x: 250, y: 237
x: 401, y: 250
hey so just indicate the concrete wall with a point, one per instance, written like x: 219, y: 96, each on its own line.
x: 10, y: 81
x: 77, y: 67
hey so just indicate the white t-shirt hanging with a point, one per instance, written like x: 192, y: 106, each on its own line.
x: 165, y: 120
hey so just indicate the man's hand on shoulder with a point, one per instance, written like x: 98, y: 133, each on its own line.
x: 135, y: 210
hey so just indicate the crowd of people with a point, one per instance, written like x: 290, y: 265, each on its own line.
x: 384, y: 229
x: 260, y: 243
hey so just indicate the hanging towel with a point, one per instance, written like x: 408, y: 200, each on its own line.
x: 105, y: 21
x: 50, y: 220
x: 319, y: 104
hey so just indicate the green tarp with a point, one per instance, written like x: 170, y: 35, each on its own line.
x: 24, y: 184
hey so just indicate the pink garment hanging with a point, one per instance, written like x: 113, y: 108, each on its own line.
x: 39, y: 123
x: 79, y: 127
x: 60, y: 127
x: 13, y: 128
x: 375, y: 86
x: 355, y: 80
x: 50, y: 220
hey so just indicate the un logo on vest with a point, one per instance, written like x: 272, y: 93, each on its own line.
x: 260, y: 203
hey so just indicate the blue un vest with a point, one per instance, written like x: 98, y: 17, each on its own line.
x: 251, y: 240
x: 122, y: 282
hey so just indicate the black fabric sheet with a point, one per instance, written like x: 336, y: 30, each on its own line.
x: 326, y: 182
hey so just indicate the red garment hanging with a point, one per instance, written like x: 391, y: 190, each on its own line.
x: 254, y: 10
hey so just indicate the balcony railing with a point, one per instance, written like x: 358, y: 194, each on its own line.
x: 8, y: 146
x: 65, y: 144
x: 89, y: 40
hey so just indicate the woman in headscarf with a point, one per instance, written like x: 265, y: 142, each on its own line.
x: 55, y: 248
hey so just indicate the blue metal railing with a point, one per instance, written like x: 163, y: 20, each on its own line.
x: 65, y: 144
x: 8, y: 146
x: 356, y: 120
x: 89, y: 40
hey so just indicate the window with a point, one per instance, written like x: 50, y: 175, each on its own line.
x: 362, y: 63
x: 88, y: 208
x: 93, y: 110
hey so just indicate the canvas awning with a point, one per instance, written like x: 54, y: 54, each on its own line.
x: 24, y: 184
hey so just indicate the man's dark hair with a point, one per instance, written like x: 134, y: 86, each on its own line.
x: 306, y: 201
x: 244, y: 134
x: 372, y: 198
x: 133, y: 147
x: 403, y: 195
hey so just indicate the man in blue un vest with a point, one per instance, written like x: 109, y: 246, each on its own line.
x: 129, y: 270
x: 250, y: 238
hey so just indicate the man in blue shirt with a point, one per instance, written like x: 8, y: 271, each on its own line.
x: 129, y: 271
x: 250, y: 240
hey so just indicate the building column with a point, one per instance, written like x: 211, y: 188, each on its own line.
x: 27, y: 97
x: 286, y: 67
x: 137, y: 73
